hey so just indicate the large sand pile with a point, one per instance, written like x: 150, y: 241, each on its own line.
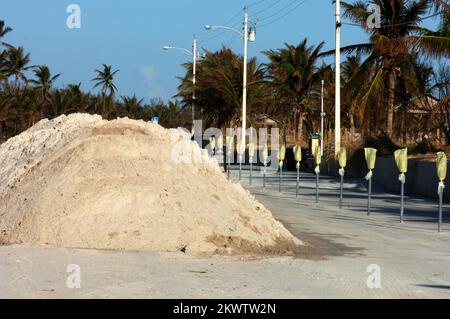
x: 79, y: 181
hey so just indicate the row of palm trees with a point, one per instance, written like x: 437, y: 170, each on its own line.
x: 383, y: 80
x: 387, y: 84
x: 24, y: 101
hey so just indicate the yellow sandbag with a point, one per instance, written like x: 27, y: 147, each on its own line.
x: 212, y: 142
x: 318, y: 156
x: 282, y: 153
x: 251, y: 149
x: 240, y: 148
x: 265, y: 153
x: 342, y: 158
x: 298, y: 153
x: 230, y: 143
x: 314, y: 145
x: 441, y: 166
x: 219, y: 140
x: 371, y: 157
x: 401, y: 159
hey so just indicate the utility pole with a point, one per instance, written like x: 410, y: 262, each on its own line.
x: 244, y: 87
x: 194, y: 73
x: 337, y: 129
x: 322, y: 116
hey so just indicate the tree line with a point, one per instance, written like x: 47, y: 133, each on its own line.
x: 396, y: 85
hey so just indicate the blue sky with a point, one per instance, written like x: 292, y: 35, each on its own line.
x: 129, y: 35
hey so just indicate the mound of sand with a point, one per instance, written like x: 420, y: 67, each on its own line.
x: 82, y: 182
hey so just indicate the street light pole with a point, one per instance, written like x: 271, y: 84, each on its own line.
x: 244, y: 85
x: 194, y: 73
x: 337, y: 129
x: 322, y: 116
x: 246, y: 36
x: 194, y: 54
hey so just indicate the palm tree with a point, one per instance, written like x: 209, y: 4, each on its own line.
x: 16, y: 64
x: 219, y: 87
x: 132, y: 105
x: 105, y: 80
x: 392, y: 50
x: 3, y: 30
x: 44, y: 81
x: 293, y: 71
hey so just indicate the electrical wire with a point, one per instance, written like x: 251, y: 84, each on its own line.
x: 256, y: 3
x: 290, y: 4
x: 267, y: 8
x: 282, y: 16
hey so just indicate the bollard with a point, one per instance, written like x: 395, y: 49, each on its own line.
x: 212, y: 145
x: 298, y: 159
x: 241, y: 152
x: 230, y: 149
x: 371, y: 157
x: 251, y: 154
x: 281, y: 156
x: 342, y: 160
x: 318, y: 158
x: 265, y: 156
x: 441, y: 165
x: 317, y: 170
x: 219, y: 150
x: 281, y: 176
x: 401, y: 159
x: 341, y: 193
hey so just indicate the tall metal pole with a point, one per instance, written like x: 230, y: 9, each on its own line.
x: 441, y: 195
x: 341, y: 193
x: 322, y: 115
x: 194, y: 73
x: 337, y: 129
x: 402, y: 202
x: 244, y: 87
x: 369, y: 199
x: 317, y: 187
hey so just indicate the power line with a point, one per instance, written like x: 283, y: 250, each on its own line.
x: 279, y: 11
x: 255, y: 4
x: 222, y: 31
x: 284, y: 15
x: 268, y: 7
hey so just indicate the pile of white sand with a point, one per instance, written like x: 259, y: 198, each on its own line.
x: 82, y: 182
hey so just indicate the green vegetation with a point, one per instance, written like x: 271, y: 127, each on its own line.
x: 395, y: 87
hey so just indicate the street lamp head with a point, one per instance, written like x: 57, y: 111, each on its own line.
x: 208, y: 27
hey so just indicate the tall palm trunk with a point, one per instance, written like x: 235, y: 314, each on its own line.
x: 300, y: 127
x: 390, y: 104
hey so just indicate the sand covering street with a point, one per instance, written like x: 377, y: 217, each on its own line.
x: 82, y: 182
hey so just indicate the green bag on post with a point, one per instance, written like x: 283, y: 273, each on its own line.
x: 371, y: 157
x: 230, y: 144
x: 401, y: 159
x: 281, y: 154
x: 441, y: 166
x: 298, y: 153
x: 342, y: 158
x: 265, y: 153
x: 219, y: 140
x: 251, y: 150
